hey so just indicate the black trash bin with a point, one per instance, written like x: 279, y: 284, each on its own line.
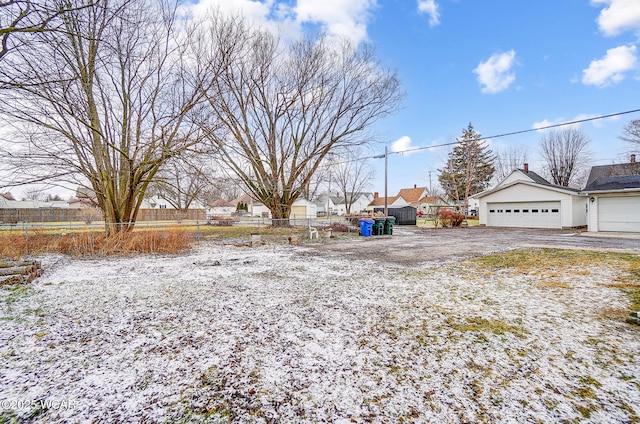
x: 378, y: 226
x: 388, y: 225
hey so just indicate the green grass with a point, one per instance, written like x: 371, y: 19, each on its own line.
x: 569, y: 262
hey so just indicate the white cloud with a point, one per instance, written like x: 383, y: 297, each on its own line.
x: 598, y: 123
x: 430, y: 7
x: 618, y: 16
x: 340, y: 18
x: 496, y: 74
x: 401, y: 145
x: 610, y: 69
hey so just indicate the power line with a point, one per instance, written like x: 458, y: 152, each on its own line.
x: 521, y: 131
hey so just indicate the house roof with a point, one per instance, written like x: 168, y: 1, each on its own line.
x: 610, y: 176
x: 7, y: 196
x: 567, y: 190
x: 379, y: 201
x: 412, y: 194
x: 535, y: 177
x: 615, y: 183
x: 432, y: 199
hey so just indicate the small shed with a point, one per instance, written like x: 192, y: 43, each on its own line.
x: 405, y: 215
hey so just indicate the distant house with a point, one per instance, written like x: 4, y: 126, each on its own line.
x: 413, y: 195
x: 221, y: 208
x: 429, y: 205
x: 254, y: 206
x: 525, y: 199
x: 392, y: 202
x: 338, y: 206
x: 614, y: 197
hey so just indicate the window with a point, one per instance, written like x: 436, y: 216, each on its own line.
x: 492, y: 210
x: 525, y: 210
x: 499, y: 210
x: 554, y: 210
x: 534, y: 210
x: 545, y: 210
x: 508, y: 211
x: 516, y: 211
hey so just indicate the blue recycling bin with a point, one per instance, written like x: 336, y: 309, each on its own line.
x: 366, y: 227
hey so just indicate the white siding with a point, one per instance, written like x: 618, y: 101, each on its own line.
x: 618, y: 213
x: 519, y: 193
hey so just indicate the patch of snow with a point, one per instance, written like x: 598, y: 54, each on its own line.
x: 289, y: 334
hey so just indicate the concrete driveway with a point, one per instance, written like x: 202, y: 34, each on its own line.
x: 411, y: 245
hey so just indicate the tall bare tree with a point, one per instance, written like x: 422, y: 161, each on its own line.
x: 102, y: 102
x: 508, y: 159
x: 283, y: 108
x: 352, y: 176
x: 631, y: 133
x: 20, y: 17
x: 565, y: 153
x: 182, y: 180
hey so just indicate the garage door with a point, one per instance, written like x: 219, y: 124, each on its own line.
x: 524, y: 214
x: 298, y: 212
x: 619, y: 214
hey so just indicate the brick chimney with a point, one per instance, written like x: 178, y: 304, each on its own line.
x: 633, y: 158
x: 526, y: 168
x: 375, y: 195
x: 415, y: 186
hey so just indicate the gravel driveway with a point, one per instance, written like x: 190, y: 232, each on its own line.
x: 411, y: 245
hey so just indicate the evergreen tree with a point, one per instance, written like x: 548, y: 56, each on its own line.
x: 469, y: 167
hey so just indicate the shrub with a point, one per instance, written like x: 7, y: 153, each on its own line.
x: 449, y: 218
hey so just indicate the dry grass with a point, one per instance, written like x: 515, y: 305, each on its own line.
x: 546, y: 263
x: 95, y: 244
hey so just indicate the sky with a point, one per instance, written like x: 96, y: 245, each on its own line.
x: 503, y: 66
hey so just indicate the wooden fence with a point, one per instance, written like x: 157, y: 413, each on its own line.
x: 11, y: 216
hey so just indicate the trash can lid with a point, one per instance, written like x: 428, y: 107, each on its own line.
x: 366, y: 220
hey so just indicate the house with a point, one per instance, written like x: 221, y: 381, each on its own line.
x: 525, y: 199
x: 254, y: 206
x: 392, y: 202
x: 221, y: 208
x: 413, y: 195
x: 338, y: 206
x: 429, y: 205
x: 614, y: 197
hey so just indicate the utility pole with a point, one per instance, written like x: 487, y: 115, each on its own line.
x: 386, y: 167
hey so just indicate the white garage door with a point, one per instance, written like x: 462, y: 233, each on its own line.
x: 619, y: 214
x: 524, y: 214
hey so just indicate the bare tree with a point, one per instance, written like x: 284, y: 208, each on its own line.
x: 283, y: 108
x: 181, y: 181
x: 631, y: 132
x: 21, y: 17
x: 103, y: 102
x: 352, y: 176
x: 565, y: 153
x: 508, y: 159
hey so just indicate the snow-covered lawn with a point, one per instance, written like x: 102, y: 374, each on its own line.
x: 281, y: 334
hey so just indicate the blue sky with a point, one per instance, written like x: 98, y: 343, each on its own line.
x: 502, y: 65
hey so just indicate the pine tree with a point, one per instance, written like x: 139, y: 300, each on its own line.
x: 469, y: 167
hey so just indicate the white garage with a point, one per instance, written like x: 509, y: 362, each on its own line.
x: 525, y: 214
x: 526, y: 200
x: 614, y: 197
x: 616, y: 213
x: 619, y: 214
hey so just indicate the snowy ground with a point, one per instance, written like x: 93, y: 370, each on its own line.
x: 281, y: 334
